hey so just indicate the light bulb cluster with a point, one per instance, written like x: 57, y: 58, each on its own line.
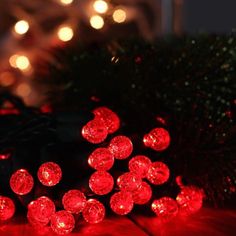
x: 100, y: 8
x: 133, y: 187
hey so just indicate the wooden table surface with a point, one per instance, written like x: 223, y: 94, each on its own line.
x: 209, y: 222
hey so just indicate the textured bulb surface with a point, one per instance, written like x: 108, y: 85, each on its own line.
x: 158, y: 139
x: 21, y: 182
x: 140, y: 165
x: 101, y: 159
x: 166, y: 208
x: 110, y: 118
x: 95, y: 131
x: 129, y: 182
x: 143, y: 194
x: 101, y: 182
x: 62, y: 222
x: 74, y: 201
x: 121, y: 147
x: 7, y: 208
x: 190, y: 200
x: 158, y: 173
x: 40, y: 211
x: 122, y: 203
x: 94, y: 211
x: 49, y: 174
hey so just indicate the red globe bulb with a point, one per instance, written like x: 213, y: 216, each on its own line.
x: 166, y: 208
x: 74, y: 201
x: 94, y: 211
x: 101, y: 182
x: 190, y: 200
x: 62, y: 222
x: 129, y: 182
x: 121, y: 147
x: 158, y: 173
x: 21, y: 182
x: 101, y: 159
x: 40, y: 211
x: 110, y: 118
x: 140, y: 165
x: 95, y: 131
x: 7, y: 208
x: 49, y: 174
x: 122, y: 202
x: 143, y: 194
x: 158, y: 139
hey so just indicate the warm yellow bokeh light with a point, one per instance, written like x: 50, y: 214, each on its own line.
x: 6, y: 79
x: 12, y: 60
x: 23, y: 90
x: 22, y: 62
x: 100, y: 6
x: 21, y: 27
x: 119, y: 16
x: 96, y: 22
x: 66, y: 2
x: 65, y: 33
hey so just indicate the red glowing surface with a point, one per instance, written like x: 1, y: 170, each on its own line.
x: 40, y: 211
x: 21, y: 182
x: 129, y: 182
x: 190, y: 200
x: 121, y: 147
x: 122, y: 202
x: 101, y: 182
x: 94, y: 211
x: 158, y: 173
x: 110, y: 118
x: 95, y: 131
x: 207, y: 221
x: 158, y: 139
x: 143, y: 194
x: 7, y: 208
x: 165, y: 208
x: 74, y: 201
x: 49, y: 174
x: 140, y: 165
x: 101, y: 159
x: 62, y: 222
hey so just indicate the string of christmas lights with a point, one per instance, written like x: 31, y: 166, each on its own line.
x: 131, y: 187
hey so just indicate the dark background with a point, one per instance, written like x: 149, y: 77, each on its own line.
x: 217, y: 16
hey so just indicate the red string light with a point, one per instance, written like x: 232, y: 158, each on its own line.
x: 165, y: 208
x: 40, y: 211
x: 21, y: 182
x: 143, y: 194
x: 101, y: 159
x: 122, y: 202
x: 62, y: 222
x: 74, y: 201
x: 101, y: 182
x: 94, y: 211
x: 95, y: 131
x: 158, y: 173
x: 190, y: 200
x: 7, y: 208
x: 110, y: 118
x: 49, y: 174
x: 129, y: 182
x: 140, y: 165
x: 158, y: 139
x: 121, y: 147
